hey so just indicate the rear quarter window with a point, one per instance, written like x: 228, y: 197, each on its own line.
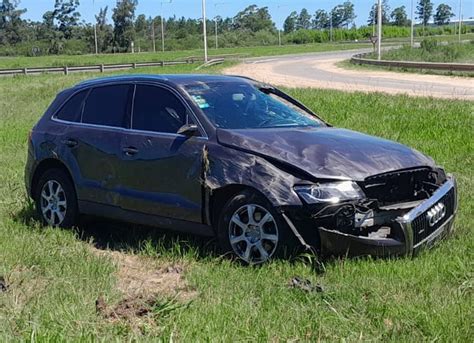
x: 107, y: 106
x: 72, y: 109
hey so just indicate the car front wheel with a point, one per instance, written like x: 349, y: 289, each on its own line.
x: 250, y: 228
x: 55, y: 199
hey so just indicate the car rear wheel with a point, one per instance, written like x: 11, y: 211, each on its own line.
x: 250, y: 229
x: 55, y: 199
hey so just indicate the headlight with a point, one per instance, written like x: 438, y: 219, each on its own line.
x: 333, y: 192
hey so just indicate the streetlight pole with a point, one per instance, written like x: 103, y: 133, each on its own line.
x: 204, y: 29
x: 216, y: 18
x: 379, y: 30
x: 95, y: 29
x: 153, y: 34
x: 279, y: 30
x: 163, y: 25
x: 412, y: 32
x: 460, y: 19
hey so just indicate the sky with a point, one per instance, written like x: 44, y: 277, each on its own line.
x: 279, y: 9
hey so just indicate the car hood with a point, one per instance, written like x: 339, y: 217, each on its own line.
x: 328, y: 153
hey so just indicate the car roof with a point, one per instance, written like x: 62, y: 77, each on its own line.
x: 176, y: 79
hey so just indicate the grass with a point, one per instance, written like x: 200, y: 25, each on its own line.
x: 69, y: 60
x: 431, y: 51
x: 55, y: 278
x: 347, y: 64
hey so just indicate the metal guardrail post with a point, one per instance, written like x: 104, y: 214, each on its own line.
x: 66, y: 70
x: 102, y: 69
x: 25, y: 71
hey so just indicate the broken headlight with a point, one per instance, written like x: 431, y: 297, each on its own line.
x: 333, y: 192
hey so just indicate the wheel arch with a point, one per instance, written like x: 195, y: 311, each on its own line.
x: 42, y: 167
x: 220, y: 196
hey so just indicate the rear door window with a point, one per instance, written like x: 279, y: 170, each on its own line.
x: 157, y: 109
x: 107, y: 106
x: 72, y: 110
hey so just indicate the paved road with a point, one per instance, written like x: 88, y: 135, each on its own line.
x: 320, y: 70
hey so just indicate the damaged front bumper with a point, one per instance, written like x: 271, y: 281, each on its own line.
x: 421, y: 227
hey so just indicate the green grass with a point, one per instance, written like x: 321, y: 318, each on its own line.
x: 432, y: 52
x: 70, y: 60
x: 347, y: 64
x: 55, y: 279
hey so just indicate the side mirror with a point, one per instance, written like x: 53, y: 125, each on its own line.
x: 188, y: 130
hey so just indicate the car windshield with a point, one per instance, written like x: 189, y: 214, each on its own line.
x: 240, y: 105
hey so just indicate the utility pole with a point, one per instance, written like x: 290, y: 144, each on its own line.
x: 330, y: 26
x: 217, y: 43
x: 153, y: 34
x: 216, y: 18
x: 95, y: 29
x: 460, y: 19
x: 163, y: 25
x: 204, y: 31
x: 412, y: 33
x: 379, y: 30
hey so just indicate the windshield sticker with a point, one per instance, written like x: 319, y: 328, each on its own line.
x: 200, y: 101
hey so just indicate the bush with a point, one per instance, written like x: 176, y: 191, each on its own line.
x: 429, y: 44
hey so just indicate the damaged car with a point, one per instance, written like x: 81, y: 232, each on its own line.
x: 236, y: 159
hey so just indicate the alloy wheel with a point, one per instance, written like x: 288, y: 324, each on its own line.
x: 53, y: 203
x: 253, y: 234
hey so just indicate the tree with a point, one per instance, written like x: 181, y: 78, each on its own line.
x: 424, y: 10
x: 443, y: 14
x: 65, y: 12
x: 10, y: 22
x: 141, y: 26
x: 321, y: 20
x: 290, y: 22
x: 123, y: 17
x: 373, y: 14
x: 254, y: 19
x: 104, y: 30
x: 399, y: 16
x: 343, y: 15
x: 304, y: 20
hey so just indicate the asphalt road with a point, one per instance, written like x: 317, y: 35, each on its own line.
x: 320, y: 70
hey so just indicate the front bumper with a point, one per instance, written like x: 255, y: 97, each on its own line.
x: 415, y: 230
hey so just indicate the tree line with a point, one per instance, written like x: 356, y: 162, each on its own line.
x: 61, y: 29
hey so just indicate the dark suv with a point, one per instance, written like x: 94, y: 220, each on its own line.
x: 231, y: 157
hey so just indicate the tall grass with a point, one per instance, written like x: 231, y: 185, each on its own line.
x: 431, y: 51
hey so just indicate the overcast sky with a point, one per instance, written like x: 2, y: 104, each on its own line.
x: 192, y: 8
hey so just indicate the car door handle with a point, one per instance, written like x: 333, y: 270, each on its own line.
x: 130, y: 151
x: 70, y: 142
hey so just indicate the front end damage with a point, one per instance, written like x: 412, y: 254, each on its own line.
x: 403, y: 211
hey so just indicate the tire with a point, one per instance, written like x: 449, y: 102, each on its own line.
x: 251, y: 241
x: 55, y: 199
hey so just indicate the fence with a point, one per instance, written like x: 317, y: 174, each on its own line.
x: 109, y: 67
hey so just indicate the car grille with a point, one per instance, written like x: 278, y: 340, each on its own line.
x: 398, y: 186
x: 420, y: 225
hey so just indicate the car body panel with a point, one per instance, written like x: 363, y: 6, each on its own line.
x: 164, y: 176
x: 327, y: 153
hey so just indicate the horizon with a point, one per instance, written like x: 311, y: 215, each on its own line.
x: 279, y: 10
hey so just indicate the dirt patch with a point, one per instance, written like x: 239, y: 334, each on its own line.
x: 148, y: 288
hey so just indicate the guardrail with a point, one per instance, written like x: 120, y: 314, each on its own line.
x: 361, y: 59
x: 106, y: 67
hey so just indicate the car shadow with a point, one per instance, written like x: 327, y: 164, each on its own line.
x: 107, y: 234
x: 113, y: 235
